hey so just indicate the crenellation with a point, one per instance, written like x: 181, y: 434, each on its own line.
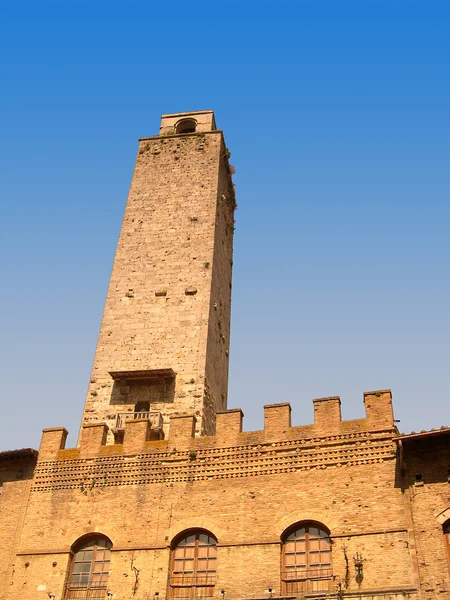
x: 379, y: 413
x: 182, y: 431
x: 228, y: 426
x: 137, y: 433
x: 277, y: 420
x: 93, y: 437
x: 327, y: 415
x: 230, y: 453
x: 141, y: 436
x: 53, y: 439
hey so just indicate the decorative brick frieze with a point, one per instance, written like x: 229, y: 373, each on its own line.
x: 198, y: 463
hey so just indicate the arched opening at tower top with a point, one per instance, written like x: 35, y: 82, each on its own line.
x: 186, y: 126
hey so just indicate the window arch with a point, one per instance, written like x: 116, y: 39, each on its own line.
x: 193, y: 566
x: 306, y: 559
x: 89, y: 568
x: 186, y: 126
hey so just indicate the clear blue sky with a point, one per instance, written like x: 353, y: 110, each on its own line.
x: 337, y: 115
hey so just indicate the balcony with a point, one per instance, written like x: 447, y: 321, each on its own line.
x: 307, y: 581
x: 189, y: 587
x: 154, y: 417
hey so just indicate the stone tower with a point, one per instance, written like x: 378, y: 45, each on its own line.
x: 164, y: 337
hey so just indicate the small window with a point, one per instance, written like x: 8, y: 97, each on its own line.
x: 186, y: 126
x: 306, y: 560
x: 142, y: 407
x: 89, y: 568
x: 194, y: 560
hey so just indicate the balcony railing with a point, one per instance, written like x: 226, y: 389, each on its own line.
x: 86, y: 594
x: 307, y: 581
x: 191, y: 593
x: 154, y: 417
x: 188, y: 587
x: 193, y: 580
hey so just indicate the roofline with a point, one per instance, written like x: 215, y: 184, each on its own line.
x: 422, y: 434
x: 185, y: 114
x: 22, y: 453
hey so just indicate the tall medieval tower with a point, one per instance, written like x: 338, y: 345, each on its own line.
x: 164, y: 338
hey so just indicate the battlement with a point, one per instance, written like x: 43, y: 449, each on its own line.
x: 277, y: 428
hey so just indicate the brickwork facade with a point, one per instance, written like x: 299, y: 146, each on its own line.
x: 162, y: 470
x: 425, y: 466
x: 245, y: 488
x: 16, y: 474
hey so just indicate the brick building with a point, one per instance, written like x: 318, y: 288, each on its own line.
x: 165, y: 496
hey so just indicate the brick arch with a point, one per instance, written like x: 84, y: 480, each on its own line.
x: 88, y: 531
x: 180, y: 525
x: 87, y: 536
x: 443, y: 516
x: 297, y: 516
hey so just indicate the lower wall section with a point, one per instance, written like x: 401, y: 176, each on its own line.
x: 250, y: 571
x: 15, y: 481
x: 249, y: 517
x: 37, y: 576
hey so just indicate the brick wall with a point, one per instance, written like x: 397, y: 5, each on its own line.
x: 427, y: 489
x: 246, y: 488
x: 16, y: 472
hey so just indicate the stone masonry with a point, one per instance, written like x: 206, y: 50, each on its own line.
x: 165, y: 332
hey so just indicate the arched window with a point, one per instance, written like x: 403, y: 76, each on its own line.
x: 194, y: 558
x: 306, y: 559
x: 446, y: 528
x: 89, y: 568
x: 186, y: 126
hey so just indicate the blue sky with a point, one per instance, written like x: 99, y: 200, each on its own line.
x: 337, y: 117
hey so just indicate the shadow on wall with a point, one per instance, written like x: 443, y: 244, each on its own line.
x: 142, y: 391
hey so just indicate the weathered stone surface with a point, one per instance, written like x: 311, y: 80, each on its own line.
x: 164, y: 308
